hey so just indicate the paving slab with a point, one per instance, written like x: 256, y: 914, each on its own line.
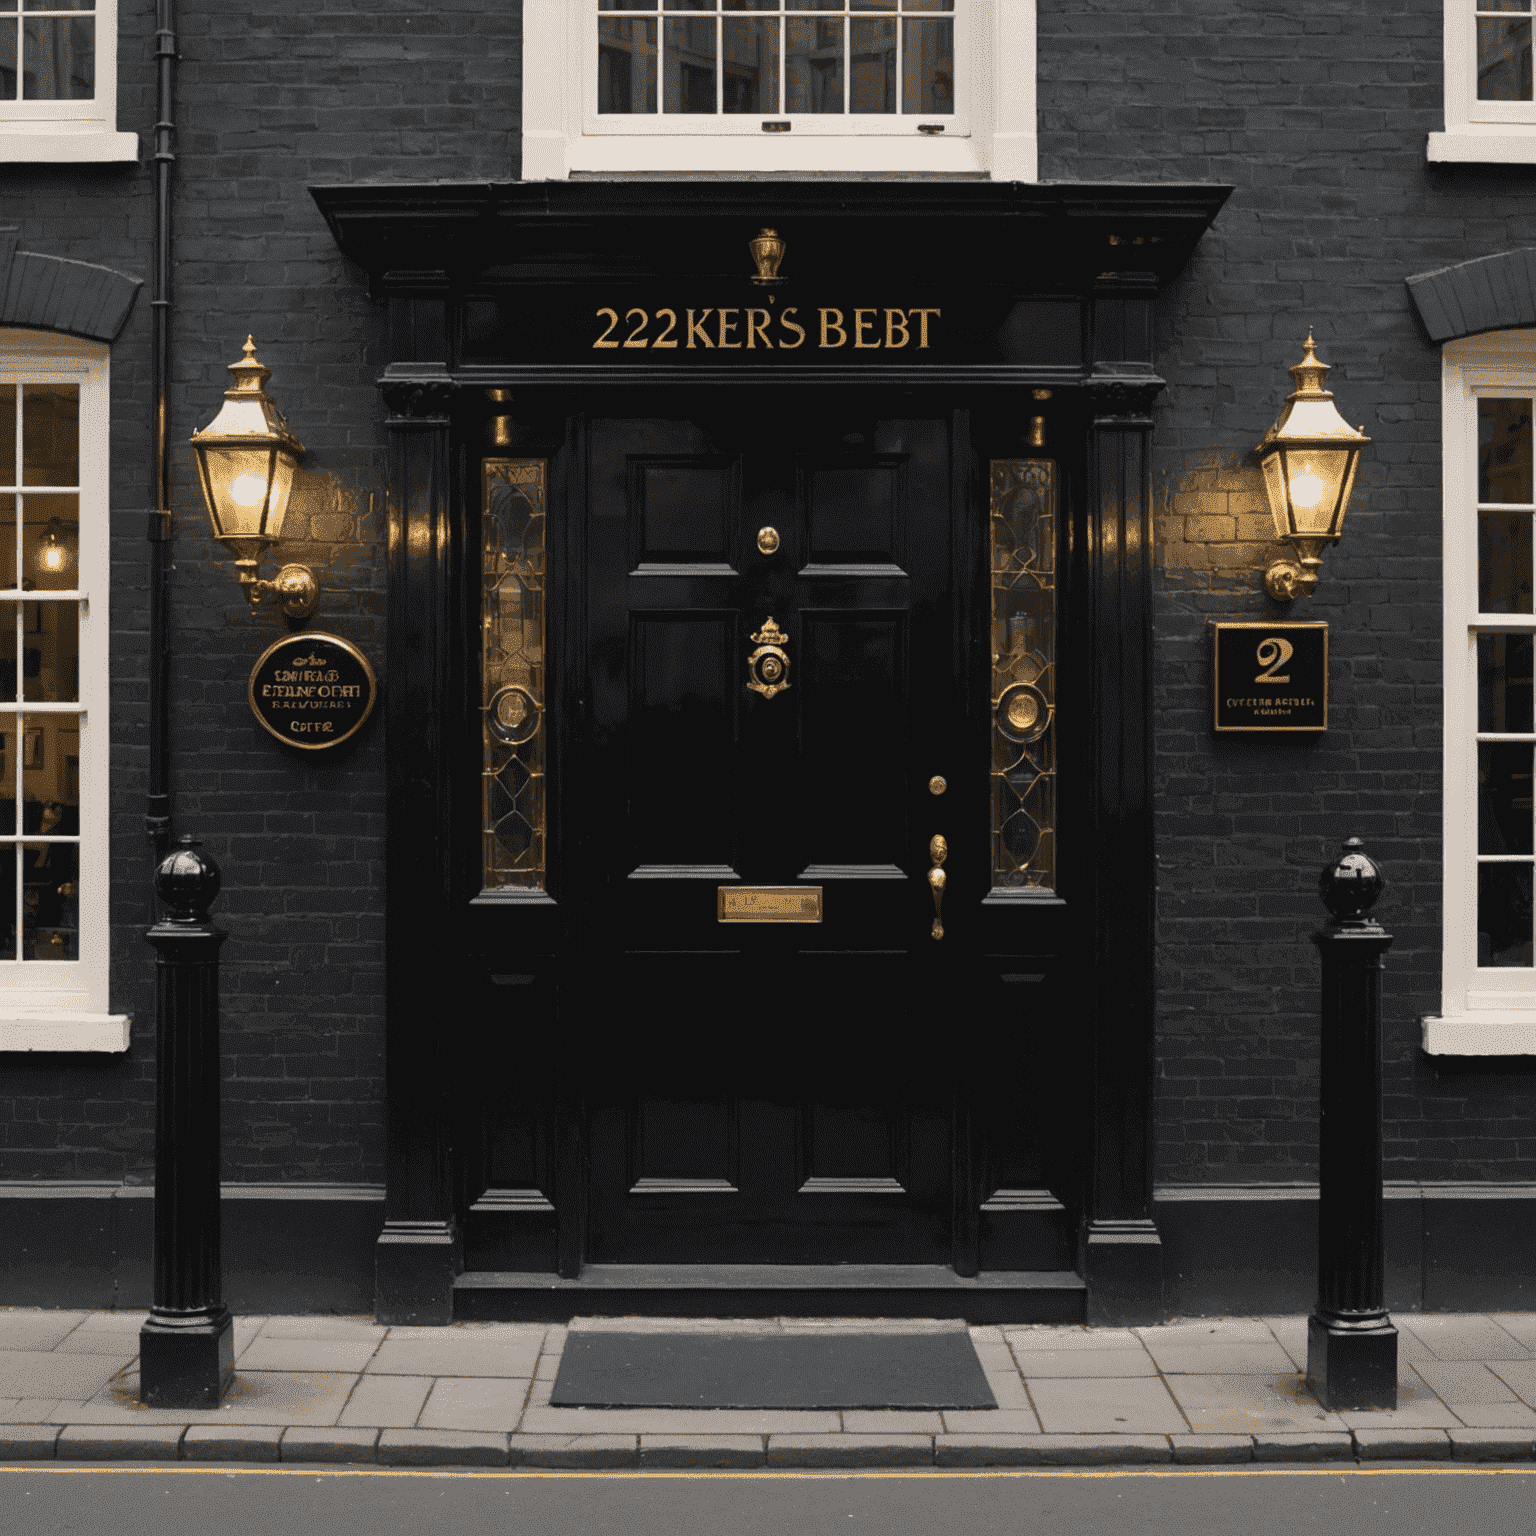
x: 119, y: 1442
x: 1402, y: 1445
x: 1417, y: 1408
x: 1209, y: 1450
x: 331, y: 1444
x: 35, y: 1410
x: 441, y: 1448
x: 454, y: 1353
x: 1231, y: 1346
x: 997, y: 1449
x: 460, y: 1402
x: 1456, y: 1382
x: 850, y: 1450
x: 701, y: 1451
x: 726, y: 1325
x: 47, y: 1373
x: 1520, y: 1326
x: 26, y: 1329
x: 115, y: 1322
x: 1291, y: 1335
x: 1519, y: 1375
x: 1239, y: 1405
x: 386, y: 1402
x: 232, y: 1442
x: 354, y: 1328
x: 1038, y: 1336
x: 1462, y: 1336
x: 99, y: 1341
x: 1496, y: 1415
x: 1491, y: 1444
x: 1194, y: 1333
x: 679, y: 1421
x: 1086, y: 1362
x: 1103, y: 1450
x: 1121, y: 1405
x: 269, y: 1354
x: 28, y: 1442
x: 987, y: 1421
x: 1308, y: 1445
x: 574, y: 1450
x: 261, y: 1397
x: 897, y: 1421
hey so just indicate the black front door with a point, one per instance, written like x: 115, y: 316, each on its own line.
x: 772, y: 678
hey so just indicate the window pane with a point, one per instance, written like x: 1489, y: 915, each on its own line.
x: 1504, y: 797
x: 873, y: 5
x: 50, y: 895
x: 58, y: 59
x: 1504, y: 562
x: 872, y: 67
x: 1504, y: 5
x: 813, y: 5
x: 690, y: 5
x: 751, y: 65
x: 688, y: 68
x: 927, y: 5
x: 1504, y: 696
x: 9, y: 855
x: 626, y: 65
x: 54, y: 5
x: 1023, y: 672
x: 928, y: 72
x: 7, y: 432
x: 50, y: 652
x: 1504, y: 451
x: 628, y: 5
x: 1503, y: 59
x: 813, y: 66
x: 50, y: 541
x: 750, y: 5
x: 50, y: 434
x: 512, y: 673
x: 1503, y: 914
x: 7, y: 540
x: 8, y: 76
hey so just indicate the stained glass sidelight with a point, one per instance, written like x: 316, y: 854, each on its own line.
x: 1023, y: 672
x: 512, y: 674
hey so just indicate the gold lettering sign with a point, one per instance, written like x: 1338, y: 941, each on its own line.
x: 873, y: 329
x: 770, y: 903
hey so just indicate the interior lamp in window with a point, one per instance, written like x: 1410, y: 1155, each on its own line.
x: 1309, y: 458
x: 246, y: 457
x: 54, y: 553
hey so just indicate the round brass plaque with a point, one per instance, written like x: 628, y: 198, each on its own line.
x: 512, y: 716
x: 1023, y: 713
x: 767, y: 540
x: 937, y: 784
x: 312, y: 690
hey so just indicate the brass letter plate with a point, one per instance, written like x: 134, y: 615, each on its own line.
x: 770, y: 903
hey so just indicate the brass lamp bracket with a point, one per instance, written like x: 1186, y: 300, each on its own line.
x: 1286, y: 580
x: 294, y: 586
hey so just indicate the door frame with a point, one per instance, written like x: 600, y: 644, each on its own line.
x: 1110, y: 249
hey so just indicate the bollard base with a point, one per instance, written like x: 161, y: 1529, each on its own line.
x: 186, y: 1362
x: 1352, y: 1361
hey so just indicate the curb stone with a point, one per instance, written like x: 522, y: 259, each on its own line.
x: 27, y: 1442
x: 701, y: 1451
x: 1403, y: 1444
x: 1304, y: 1445
x: 847, y: 1450
x: 1490, y: 1444
x: 1206, y: 1450
x: 1102, y: 1450
x: 441, y: 1448
x: 981, y: 1450
x: 232, y: 1442
x: 120, y: 1442
x: 574, y: 1450
x: 329, y: 1444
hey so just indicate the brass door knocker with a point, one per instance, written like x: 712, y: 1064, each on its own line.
x: 938, y: 851
x: 768, y: 666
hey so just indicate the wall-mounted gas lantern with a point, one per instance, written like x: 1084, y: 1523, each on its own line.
x: 246, y: 457
x: 1309, y: 458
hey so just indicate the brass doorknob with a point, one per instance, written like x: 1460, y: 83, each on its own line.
x: 938, y: 851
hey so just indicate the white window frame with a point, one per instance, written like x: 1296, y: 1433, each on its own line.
x: 72, y: 131
x: 1478, y: 131
x: 1489, y: 1011
x: 992, y: 132
x: 62, y: 1005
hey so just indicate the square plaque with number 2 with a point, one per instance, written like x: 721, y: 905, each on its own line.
x: 1270, y: 677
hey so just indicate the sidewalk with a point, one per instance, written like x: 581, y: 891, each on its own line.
x: 335, y: 1390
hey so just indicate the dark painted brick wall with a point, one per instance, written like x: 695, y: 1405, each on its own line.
x: 1316, y: 112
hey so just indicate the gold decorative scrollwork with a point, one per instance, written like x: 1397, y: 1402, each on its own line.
x: 768, y: 665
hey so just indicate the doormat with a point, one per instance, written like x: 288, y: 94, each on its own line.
x: 770, y: 1370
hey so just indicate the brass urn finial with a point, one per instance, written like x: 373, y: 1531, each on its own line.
x: 767, y: 251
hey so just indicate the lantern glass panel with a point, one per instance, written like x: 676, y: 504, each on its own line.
x: 248, y: 490
x: 1314, y: 481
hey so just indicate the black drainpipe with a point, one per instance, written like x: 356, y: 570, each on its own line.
x: 157, y: 812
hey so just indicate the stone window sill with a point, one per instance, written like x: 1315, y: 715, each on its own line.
x: 1485, y: 143
x: 100, y: 146
x: 40, y: 1031
x: 1511, y: 1033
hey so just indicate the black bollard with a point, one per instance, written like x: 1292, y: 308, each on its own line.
x: 1351, y: 1343
x: 186, y: 1347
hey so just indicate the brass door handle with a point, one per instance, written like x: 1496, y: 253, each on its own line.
x: 768, y: 665
x: 938, y: 851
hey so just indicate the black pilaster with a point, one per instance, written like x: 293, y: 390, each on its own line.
x: 419, y: 1251
x: 1121, y: 1252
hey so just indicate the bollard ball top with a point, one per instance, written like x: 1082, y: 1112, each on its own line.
x: 1351, y: 885
x: 187, y: 880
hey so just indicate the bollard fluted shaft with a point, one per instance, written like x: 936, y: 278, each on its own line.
x: 186, y: 1347
x: 1351, y: 1343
